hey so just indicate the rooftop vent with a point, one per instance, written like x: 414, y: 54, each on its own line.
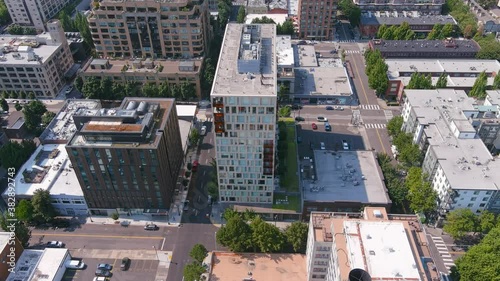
x: 372, y: 253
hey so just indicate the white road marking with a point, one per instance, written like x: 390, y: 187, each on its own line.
x: 370, y: 106
x: 163, y: 244
x: 209, y: 151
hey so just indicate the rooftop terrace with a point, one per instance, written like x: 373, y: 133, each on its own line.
x: 15, y: 49
x: 247, y: 68
x: 142, y: 66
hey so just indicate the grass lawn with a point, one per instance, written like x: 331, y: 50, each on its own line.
x: 293, y: 202
x: 289, y: 179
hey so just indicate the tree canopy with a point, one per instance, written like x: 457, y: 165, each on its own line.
x: 241, y: 15
x: 422, y: 197
x: 296, y: 235
x: 440, y: 32
x: 351, y: 11
x: 480, y: 262
x: 420, y: 81
x: 14, y: 154
x: 193, y: 271
x: 394, y: 125
x: 480, y: 85
x: 266, y: 237
x: 21, y: 231
x: 396, y: 32
x: 4, y: 105
x: 33, y: 113
x: 43, y: 210
x: 376, y: 70
x: 460, y: 222
x: 4, y: 13
x: 198, y: 253
x: 235, y: 234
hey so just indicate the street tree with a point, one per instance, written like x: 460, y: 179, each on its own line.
x: 106, y: 89
x: 213, y: 189
x: 442, y: 81
x: 47, y: 118
x: 435, y: 32
x: 5, y: 95
x: 480, y: 262
x: 21, y: 231
x: 283, y: 92
x: 241, y: 15
x: 285, y: 111
x: 149, y: 89
x: 194, y: 136
x: 24, y: 211
x: 91, y: 88
x: 192, y: 272
x: 496, y: 83
x: 43, y: 210
x: 286, y: 28
x: 78, y: 83
x: 487, y: 221
x: 479, y: 88
x: 22, y: 95
x: 377, y: 79
x: 410, y: 154
x: 4, y: 105
x: 468, y: 31
x: 14, y: 95
x: 31, y: 96
x: 421, y: 195
x: 229, y: 213
x: 351, y: 11
x: 236, y: 235
x: 394, y: 125
x: 33, y: 112
x: 296, y: 236
x: 266, y: 237
x: 460, y: 222
x: 263, y: 19
x: 224, y: 8
x: 18, y: 106
x: 381, y: 31
x: 198, y: 253
x: 14, y: 154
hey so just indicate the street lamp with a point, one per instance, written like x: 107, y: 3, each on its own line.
x: 156, y: 251
x: 215, y: 240
x: 90, y: 217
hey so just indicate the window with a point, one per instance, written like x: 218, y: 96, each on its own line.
x: 482, y: 205
x: 473, y: 199
x: 476, y: 192
x: 485, y: 198
x: 470, y: 205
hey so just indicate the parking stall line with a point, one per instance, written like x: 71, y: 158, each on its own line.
x: 97, y: 236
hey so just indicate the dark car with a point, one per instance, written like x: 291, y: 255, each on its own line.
x: 296, y: 106
x: 125, y: 263
x: 104, y: 266
x: 329, y: 108
x: 151, y: 226
x: 299, y: 119
x: 55, y: 244
x: 195, y: 166
x: 102, y: 273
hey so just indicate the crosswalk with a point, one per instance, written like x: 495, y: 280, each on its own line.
x: 370, y: 106
x: 347, y: 41
x: 375, y: 126
x: 352, y: 51
x: 443, y: 252
x: 388, y: 114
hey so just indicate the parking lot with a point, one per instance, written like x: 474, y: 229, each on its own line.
x: 138, y: 270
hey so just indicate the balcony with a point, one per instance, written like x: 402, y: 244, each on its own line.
x: 219, y: 117
x: 218, y: 103
x: 219, y: 128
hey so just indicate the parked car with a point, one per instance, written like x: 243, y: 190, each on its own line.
x: 102, y: 273
x: 100, y: 279
x: 151, y: 226
x: 203, y: 130
x: 186, y: 205
x: 345, y: 145
x: 314, y: 126
x: 329, y: 108
x: 339, y: 108
x: 322, y: 145
x: 328, y: 127
x: 322, y: 119
x: 299, y: 119
x: 125, y: 263
x: 195, y: 166
x: 68, y: 90
x: 55, y: 244
x: 104, y: 266
x: 75, y: 264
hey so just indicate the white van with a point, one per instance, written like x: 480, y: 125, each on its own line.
x: 75, y: 264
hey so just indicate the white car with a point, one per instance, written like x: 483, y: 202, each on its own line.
x: 322, y: 119
x: 203, y: 130
x: 345, y: 145
x: 75, y: 264
x: 100, y: 279
x: 68, y: 90
x: 55, y: 244
x: 322, y: 145
x: 339, y: 108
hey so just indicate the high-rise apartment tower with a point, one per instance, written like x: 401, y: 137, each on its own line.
x: 244, y: 103
x: 317, y: 19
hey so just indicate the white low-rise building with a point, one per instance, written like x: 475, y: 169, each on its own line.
x: 461, y: 169
x: 36, y: 64
x: 49, y: 168
x: 48, y: 264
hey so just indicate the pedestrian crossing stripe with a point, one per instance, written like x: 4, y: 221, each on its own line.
x: 347, y: 41
x: 375, y: 126
x: 353, y: 52
x: 370, y: 106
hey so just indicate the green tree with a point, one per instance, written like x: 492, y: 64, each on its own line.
x: 421, y: 195
x: 468, y: 31
x: 193, y: 271
x: 5, y: 95
x: 479, y: 88
x: 15, y: 29
x: 224, y: 8
x: 198, y: 253
x: 447, y: 31
x: 150, y: 90
x: 229, y: 213
x: 285, y: 111
x: 435, y: 32
x: 351, y: 11
x: 286, y: 28
x: 381, y: 31
x: 283, y: 92
x: 213, y: 188
x: 263, y: 19
x: 163, y: 90
x: 33, y: 112
x: 377, y: 79
x: 403, y: 32
x: 394, y: 125
x: 442, y: 81
x: 22, y: 95
x: 78, y: 83
x: 91, y: 88
x: 187, y: 91
x: 460, y: 222
x: 106, y: 89
x: 496, y: 82
x: 31, y: 96
x: 24, y: 211
x: 17, y: 106
x: 13, y: 95
x: 296, y: 235
x: 410, y: 154
x: 47, y: 118
x: 487, y: 221
x: 194, y: 136
x: 480, y: 262
x: 29, y: 31
x: 487, y: 4
x: 266, y: 237
x: 236, y: 235
x: 4, y: 105
x: 43, y: 211
x: 241, y: 15
x: 21, y: 231
x: 4, y: 13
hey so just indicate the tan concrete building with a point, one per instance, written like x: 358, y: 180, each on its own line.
x: 372, y: 245
x: 174, y: 72
x: 34, y: 12
x: 317, y: 19
x: 35, y: 64
x: 150, y: 28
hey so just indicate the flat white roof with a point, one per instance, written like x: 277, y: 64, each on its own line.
x: 60, y: 178
x: 277, y: 18
x: 39, y: 265
x: 15, y: 49
x: 4, y: 239
x: 493, y: 97
x: 186, y: 110
x: 284, y: 50
x: 380, y: 248
x: 470, y: 66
